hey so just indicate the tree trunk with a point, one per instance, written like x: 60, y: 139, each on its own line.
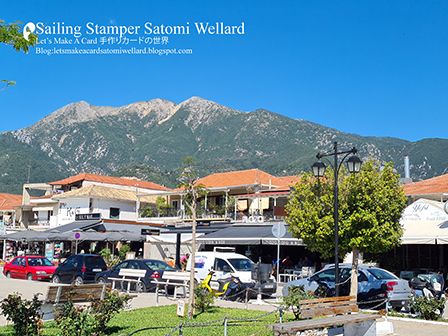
x: 191, y: 297
x: 354, y: 277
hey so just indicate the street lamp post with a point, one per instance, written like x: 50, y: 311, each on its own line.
x: 354, y: 166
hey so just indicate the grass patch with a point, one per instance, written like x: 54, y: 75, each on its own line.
x: 127, y: 322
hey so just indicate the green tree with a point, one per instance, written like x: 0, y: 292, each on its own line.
x: 370, y: 206
x: 12, y: 34
x: 162, y: 205
x: 188, y: 182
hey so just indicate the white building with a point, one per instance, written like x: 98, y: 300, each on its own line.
x: 105, y: 196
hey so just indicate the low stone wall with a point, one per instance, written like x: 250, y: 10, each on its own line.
x: 313, y: 332
x: 310, y: 332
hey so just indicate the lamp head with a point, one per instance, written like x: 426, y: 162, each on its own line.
x: 354, y: 164
x: 319, y: 168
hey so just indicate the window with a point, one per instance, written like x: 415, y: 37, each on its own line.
x: 241, y: 264
x: 18, y: 262
x: 134, y: 264
x: 114, y: 213
x: 122, y: 265
x: 381, y: 274
x: 71, y: 261
x: 325, y: 276
x: 220, y: 264
x: 175, y: 204
x: 345, y: 273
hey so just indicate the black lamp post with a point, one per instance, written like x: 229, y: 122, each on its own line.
x: 354, y: 166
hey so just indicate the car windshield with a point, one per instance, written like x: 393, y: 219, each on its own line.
x: 241, y: 264
x: 95, y: 262
x: 381, y: 274
x: 158, y: 265
x: 39, y: 262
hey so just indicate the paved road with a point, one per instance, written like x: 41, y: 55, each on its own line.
x: 402, y: 327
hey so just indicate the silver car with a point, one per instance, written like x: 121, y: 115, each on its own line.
x: 369, y: 278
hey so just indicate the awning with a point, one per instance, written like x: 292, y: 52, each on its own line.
x: 48, y: 208
x: 247, y: 235
x: 77, y: 225
x: 425, y: 232
x: 171, y: 238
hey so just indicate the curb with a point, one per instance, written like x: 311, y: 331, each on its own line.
x: 416, y: 320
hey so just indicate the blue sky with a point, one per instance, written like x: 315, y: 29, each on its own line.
x: 374, y: 68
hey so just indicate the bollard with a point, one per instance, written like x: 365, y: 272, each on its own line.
x: 281, y: 315
x: 225, y: 326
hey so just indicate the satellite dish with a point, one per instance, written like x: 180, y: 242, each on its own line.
x: 445, y: 207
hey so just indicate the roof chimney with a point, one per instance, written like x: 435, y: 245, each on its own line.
x: 407, y: 170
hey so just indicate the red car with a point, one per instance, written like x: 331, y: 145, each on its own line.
x: 29, y: 267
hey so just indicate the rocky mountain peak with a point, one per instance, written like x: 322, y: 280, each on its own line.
x: 202, y: 111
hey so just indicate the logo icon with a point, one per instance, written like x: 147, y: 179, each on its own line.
x: 28, y: 29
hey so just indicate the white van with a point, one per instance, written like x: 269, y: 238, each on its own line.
x: 223, y: 261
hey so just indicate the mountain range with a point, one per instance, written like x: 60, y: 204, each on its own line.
x: 148, y: 139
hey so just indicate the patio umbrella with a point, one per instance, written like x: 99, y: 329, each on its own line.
x: 84, y: 236
x: 51, y: 235
x: 114, y: 237
x: 20, y: 235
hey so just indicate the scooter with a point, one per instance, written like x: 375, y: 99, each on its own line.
x: 223, y: 284
x: 230, y: 287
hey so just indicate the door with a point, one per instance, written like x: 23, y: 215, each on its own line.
x: 114, y: 272
x: 68, y: 269
x: 222, y: 269
x: 18, y: 268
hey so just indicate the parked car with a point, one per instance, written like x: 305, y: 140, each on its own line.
x: 369, y: 280
x: 29, y: 267
x: 154, y: 269
x: 79, y: 268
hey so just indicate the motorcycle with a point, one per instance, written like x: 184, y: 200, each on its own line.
x: 428, y: 285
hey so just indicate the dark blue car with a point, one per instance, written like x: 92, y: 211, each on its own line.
x: 79, y: 268
x: 154, y: 269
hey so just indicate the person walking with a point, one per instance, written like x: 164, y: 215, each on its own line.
x: 184, y: 260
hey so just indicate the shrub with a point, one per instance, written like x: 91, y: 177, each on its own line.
x: 72, y: 320
x: 296, y: 294
x: 111, y: 260
x: 24, y: 314
x: 429, y: 307
x: 123, y: 250
x: 89, y: 320
x: 104, y: 310
x: 204, y: 299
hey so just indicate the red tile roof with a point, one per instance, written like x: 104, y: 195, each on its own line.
x: 9, y: 201
x: 240, y: 178
x: 288, y: 181
x: 109, y: 180
x: 435, y: 185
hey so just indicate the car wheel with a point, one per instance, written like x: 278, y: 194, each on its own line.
x: 56, y: 279
x: 78, y: 281
x: 8, y: 275
x: 101, y: 280
x: 29, y: 276
x: 140, y: 287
